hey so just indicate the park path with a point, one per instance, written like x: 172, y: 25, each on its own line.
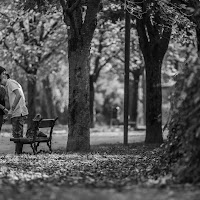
x: 98, y: 136
x: 76, y: 193
x: 136, y: 192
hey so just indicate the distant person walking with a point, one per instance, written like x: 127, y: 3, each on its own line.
x: 18, y: 111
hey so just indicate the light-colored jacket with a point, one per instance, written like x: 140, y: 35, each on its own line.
x: 21, y: 109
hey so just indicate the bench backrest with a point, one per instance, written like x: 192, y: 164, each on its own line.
x: 45, y: 123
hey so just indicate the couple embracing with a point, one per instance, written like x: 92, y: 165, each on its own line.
x: 12, y: 105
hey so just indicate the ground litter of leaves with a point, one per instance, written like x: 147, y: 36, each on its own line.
x: 106, y: 167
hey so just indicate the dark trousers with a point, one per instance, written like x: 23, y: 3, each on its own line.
x: 17, y: 124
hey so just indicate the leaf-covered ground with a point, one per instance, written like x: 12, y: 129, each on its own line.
x: 107, y: 171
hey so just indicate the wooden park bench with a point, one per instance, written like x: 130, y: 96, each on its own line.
x: 35, y: 141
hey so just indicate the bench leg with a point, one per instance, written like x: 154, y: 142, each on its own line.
x: 49, y: 145
x: 34, y: 149
x: 36, y: 146
x: 18, y: 148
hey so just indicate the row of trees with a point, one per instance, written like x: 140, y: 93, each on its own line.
x: 81, y: 18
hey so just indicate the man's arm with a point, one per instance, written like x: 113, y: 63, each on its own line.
x: 5, y: 110
x: 7, y: 104
x: 17, y: 98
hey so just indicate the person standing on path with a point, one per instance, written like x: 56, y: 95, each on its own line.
x: 18, y: 111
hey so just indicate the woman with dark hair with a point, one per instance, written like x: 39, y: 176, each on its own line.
x: 3, y: 109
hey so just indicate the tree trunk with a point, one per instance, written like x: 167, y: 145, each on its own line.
x: 144, y: 95
x: 82, y: 25
x: 133, y: 114
x: 43, y: 104
x: 50, y: 107
x: 31, y: 97
x: 153, y: 42
x: 198, y: 40
x: 79, y: 108
x: 91, y: 101
x: 153, y: 102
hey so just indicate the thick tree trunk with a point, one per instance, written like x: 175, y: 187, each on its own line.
x: 153, y: 102
x: 79, y: 108
x: 31, y: 97
x: 82, y: 25
x: 91, y: 101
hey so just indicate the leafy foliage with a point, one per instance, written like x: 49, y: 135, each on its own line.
x: 31, y: 38
x: 37, y: 43
x: 107, y: 57
x: 183, y: 147
x: 38, y: 5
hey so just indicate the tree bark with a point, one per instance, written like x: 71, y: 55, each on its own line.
x: 80, y: 36
x: 133, y: 114
x: 144, y: 95
x: 50, y: 107
x: 79, y: 108
x: 198, y: 41
x: 31, y: 86
x: 91, y: 101
x: 153, y: 102
x: 43, y: 105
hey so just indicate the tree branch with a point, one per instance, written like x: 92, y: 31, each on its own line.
x: 164, y: 42
x: 63, y: 4
x: 152, y: 31
x: 26, y: 37
x: 143, y: 40
x: 46, y: 56
x: 69, y: 10
x: 20, y: 65
x: 6, y: 16
x: 119, y: 58
x: 53, y: 50
x: 74, y: 6
x: 41, y: 32
x: 100, y: 47
x: 53, y: 27
x: 96, y: 75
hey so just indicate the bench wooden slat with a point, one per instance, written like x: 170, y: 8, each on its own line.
x: 46, y: 123
x: 29, y: 140
x: 22, y: 140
